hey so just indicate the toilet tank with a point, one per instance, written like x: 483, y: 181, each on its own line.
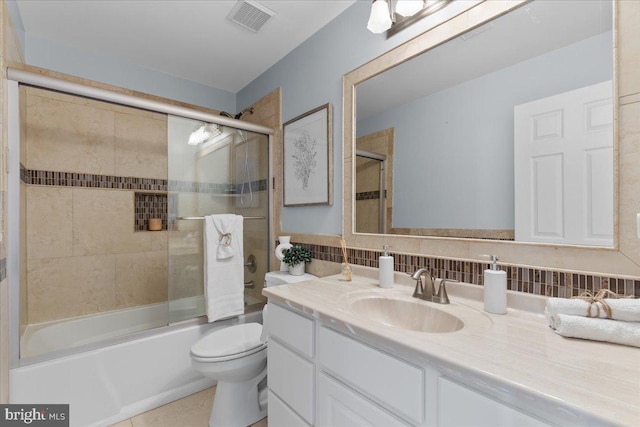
x: 274, y: 278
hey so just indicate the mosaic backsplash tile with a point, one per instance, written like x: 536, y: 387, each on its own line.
x: 556, y: 283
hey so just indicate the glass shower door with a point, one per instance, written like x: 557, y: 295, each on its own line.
x: 217, y: 174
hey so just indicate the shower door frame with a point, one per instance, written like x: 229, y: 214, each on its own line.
x: 16, y: 77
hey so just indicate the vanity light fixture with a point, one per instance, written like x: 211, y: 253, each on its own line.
x: 409, y: 7
x: 204, y: 133
x: 394, y: 15
x: 380, y: 18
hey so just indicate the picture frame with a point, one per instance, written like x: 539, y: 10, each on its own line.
x: 308, y: 158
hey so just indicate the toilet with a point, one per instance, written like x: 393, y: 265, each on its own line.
x: 236, y: 357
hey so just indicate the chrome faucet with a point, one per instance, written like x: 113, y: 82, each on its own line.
x: 427, y: 291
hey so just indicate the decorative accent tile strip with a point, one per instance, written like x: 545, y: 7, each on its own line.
x: 556, y: 283
x: 204, y: 187
x: 86, y: 180
x: 368, y: 195
x: 149, y: 205
x: 24, y: 175
x: 3, y: 269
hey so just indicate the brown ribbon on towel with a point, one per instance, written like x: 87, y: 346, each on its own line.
x: 225, y: 239
x: 598, y: 300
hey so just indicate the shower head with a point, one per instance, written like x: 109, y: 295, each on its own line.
x: 237, y: 116
x: 246, y: 110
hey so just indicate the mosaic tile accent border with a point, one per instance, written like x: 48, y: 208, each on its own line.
x: 556, y: 283
x: 3, y: 269
x: 368, y: 195
x: 203, y: 187
x: 86, y: 180
x: 149, y: 205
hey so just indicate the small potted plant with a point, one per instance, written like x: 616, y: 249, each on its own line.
x: 296, y: 257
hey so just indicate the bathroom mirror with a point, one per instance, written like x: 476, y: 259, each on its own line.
x: 502, y: 132
x: 622, y: 257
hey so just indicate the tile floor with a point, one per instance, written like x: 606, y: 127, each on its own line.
x: 191, y: 411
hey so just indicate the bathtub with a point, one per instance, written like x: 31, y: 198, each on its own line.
x: 105, y: 384
x: 54, y: 336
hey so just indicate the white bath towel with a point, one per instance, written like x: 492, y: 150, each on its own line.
x: 614, y: 331
x: 627, y: 309
x: 223, y: 277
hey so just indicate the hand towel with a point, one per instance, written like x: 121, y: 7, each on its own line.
x: 614, y: 331
x: 223, y: 277
x: 627, y: 309
x: 225, y: 224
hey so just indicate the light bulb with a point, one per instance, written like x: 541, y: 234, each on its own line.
x: 379, y: 20
x: 409, y: 7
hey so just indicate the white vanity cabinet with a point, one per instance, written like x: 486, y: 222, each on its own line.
x: 389, y: 382
x: 321, y: 377
x: 460, y: 406
x: 290, y: 368
x: 340, y: 406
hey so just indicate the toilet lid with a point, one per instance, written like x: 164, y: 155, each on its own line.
x: 229, y: 341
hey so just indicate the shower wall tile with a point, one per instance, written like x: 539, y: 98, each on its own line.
x: 141, y: 278
x: 49, y: 233
x: 628, y: 48
x: 102, y: 221
x: 141, y: 146
x: 185, y: 268
x: 69, y: 287
x: 65, y: 136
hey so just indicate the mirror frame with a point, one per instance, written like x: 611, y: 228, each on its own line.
x: 621, y: 259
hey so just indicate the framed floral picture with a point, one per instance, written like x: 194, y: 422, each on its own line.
x: 308, y: 159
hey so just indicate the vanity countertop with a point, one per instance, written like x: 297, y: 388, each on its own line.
x: 517, y: 350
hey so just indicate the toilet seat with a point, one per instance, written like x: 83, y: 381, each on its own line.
x: 229, y: 343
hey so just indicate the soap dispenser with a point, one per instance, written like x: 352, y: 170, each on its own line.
x: 385, y: 269
x: 495, y: 288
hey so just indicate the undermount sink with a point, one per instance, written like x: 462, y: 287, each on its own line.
x: 412, y: 315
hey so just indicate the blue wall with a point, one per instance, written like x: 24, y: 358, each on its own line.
x: 463, y: 136
x: 310, y: 76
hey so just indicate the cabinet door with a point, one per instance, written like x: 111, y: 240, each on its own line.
x: 339, y: 406
x: 281, y: 415
x: 459, y: 406
x: 291, y: 378
x: 398, y: 385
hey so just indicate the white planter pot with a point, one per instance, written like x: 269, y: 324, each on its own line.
x: 297, y: 270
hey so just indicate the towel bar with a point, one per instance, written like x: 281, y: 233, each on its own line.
x: 201, y: 217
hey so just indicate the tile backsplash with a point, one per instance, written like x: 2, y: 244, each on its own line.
x: 547, y: 282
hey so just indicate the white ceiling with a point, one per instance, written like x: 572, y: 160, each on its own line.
x: 191, y: 39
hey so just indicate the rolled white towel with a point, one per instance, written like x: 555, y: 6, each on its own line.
x: 627, y: 309
x: 614, y: 331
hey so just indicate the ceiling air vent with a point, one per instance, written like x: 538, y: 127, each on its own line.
x: 250, y: 14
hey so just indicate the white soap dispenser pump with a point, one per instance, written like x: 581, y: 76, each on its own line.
x: 385, y: 269
x: 495, y: 288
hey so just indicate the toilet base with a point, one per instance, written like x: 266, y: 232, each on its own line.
x: 237, y: 404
